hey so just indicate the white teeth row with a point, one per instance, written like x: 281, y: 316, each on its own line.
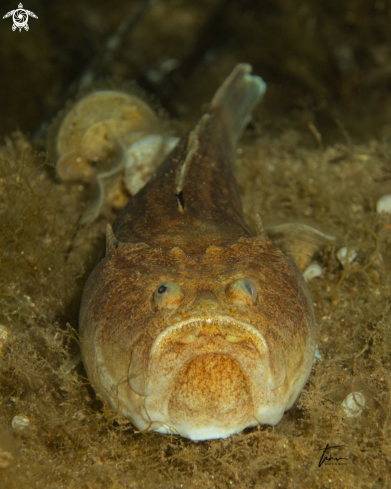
x: 218, y: 322
x: 197, y: 325
x: 194, y: 328
x: 190, y: 338
x: 187, y: 332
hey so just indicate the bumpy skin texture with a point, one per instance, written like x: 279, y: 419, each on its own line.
x: 211, y: 360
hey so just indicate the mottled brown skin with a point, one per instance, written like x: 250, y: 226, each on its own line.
x: 212, y: 361
x: 212, y: 205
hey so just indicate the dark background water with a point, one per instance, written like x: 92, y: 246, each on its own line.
x: 326, y: 62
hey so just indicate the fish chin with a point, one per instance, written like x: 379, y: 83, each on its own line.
x: 209, y: 377
x: 211, y: 398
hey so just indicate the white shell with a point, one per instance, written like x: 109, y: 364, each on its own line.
x: 346, y: 258
x: 103, y: 134
x: 299, y: 241
x: 312, y: 271
x: 4, y: 334
x: 384, y: 204
x: 20, y: 422
x: 353, y: 404
x: 143, y: 157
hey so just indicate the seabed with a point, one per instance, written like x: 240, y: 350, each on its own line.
x: 317, y: 152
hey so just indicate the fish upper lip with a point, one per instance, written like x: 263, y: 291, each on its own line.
x: 195, y: 324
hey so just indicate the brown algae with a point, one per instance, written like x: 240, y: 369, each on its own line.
x: 75, y: 440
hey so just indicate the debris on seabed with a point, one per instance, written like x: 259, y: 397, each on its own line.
x: 299, y: 241
x: 377, y: 258
x: 353, y: 404
x: 6, y: 458
x: 20, y: 422
x: 4, y: 333
x: 317, y: 356
x: 312, y: 271
x: 346, y: 258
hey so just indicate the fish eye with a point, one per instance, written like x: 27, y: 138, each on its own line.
x: 242, y: 291
x: 168, y: 295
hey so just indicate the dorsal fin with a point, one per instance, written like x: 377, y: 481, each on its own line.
x: 234, y: 101
x: 193, y: 200
x: 238, y: 96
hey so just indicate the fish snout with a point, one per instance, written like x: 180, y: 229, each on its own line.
x: 206, y: 301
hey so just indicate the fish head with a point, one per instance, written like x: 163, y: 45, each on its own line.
x: 203, y: 346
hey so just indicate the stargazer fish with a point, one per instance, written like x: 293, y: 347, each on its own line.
x: 191, y: 324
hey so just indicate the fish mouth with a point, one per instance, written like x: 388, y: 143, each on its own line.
x: 156, y: 364
x: 214, y: 327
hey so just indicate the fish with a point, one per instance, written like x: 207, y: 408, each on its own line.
x: 191, y: 324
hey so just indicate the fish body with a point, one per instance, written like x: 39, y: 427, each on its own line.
x: 190, y: 324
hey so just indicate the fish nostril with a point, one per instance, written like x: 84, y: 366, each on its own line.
x: 205, y: 300
x: 206, y: 296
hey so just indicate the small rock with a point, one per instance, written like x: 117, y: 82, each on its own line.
x: 384, y: 204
